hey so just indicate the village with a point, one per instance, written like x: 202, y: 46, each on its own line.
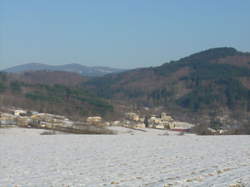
x: 92, y: 125
x: 13, y: 117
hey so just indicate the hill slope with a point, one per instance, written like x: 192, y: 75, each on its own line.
x: 49, y: 78
x: 212, y: 83
x: 51, y: 92
x: 76, y: 68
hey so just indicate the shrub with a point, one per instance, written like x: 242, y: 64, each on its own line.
x: 201, y: 130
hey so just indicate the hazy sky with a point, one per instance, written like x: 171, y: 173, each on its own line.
x: 118, y: 33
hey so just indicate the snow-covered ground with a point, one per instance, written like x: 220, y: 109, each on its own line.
x: 133, y: 159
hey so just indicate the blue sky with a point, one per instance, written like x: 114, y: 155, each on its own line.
x: 118, y: 33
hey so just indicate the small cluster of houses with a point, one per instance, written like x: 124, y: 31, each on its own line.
x: 24, y: 118
x: 133, y: 120
x: 163, y: 121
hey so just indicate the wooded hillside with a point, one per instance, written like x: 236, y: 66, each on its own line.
x: 211, y: 83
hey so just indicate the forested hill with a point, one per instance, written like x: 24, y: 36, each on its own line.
x: 209, y: 85
x: 51, y: 92
x: 207, y: 81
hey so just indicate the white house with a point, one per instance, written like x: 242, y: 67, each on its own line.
x: 20, y: 112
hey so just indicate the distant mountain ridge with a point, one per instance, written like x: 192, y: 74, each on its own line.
x: 76, y: 68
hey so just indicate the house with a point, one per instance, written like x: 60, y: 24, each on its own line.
x: 20, y: 112
x: 94, y: 119
x: 133, y: 116
x: 7, y: 119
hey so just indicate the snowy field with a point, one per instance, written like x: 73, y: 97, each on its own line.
x: 134, y: 158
